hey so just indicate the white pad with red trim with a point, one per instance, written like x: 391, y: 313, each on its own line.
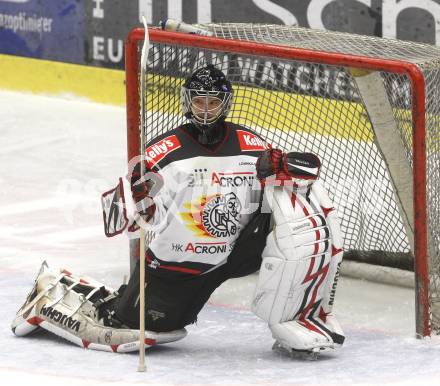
x: 298, y: 275
x: 53, y: 304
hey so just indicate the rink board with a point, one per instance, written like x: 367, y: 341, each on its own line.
x: 62, y: 79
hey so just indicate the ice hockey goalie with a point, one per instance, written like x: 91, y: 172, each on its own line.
x: 222, y: 204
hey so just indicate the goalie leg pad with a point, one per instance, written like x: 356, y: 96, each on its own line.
x: 297, y: 275
x: 54, y: 305
x: 282, y: 283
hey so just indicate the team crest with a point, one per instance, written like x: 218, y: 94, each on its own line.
x: 214, y: 216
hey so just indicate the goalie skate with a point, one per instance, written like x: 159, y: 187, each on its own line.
x: 305, y: 340
x: 53, y: 305
x: 305, y: 355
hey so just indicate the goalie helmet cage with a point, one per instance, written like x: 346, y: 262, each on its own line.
x: 368, y: 107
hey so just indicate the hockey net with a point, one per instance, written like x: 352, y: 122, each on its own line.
x: 368, y: 107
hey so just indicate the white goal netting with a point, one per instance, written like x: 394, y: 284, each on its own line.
x: 336, y: 112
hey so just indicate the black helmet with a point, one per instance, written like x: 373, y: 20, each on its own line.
x: 207, y: 83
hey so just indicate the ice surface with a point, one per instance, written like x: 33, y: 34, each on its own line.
x: 56, y: 157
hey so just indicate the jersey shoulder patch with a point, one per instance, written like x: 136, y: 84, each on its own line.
x: 250, y: 141
x: 160, y: 149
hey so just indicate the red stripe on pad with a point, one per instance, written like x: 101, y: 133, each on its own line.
x: 323, y: 315
x: 309, y: 272
x: 85, y: 343
x: 150, y: 342
x: 315, y: 251
x: 323, y: 273
x: 335, y: 250
x: 310, y: 326
x: 326, y: 210
x: 115, y: 347
x: 35, y: 321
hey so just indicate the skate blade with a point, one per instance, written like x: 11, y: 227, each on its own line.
x: 304, y: 355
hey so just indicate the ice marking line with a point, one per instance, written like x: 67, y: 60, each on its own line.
x: 348, y: 326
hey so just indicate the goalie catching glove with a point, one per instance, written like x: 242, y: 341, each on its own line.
x: 293, y: 168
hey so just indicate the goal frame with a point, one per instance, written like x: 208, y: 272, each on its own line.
x: 412, y: 71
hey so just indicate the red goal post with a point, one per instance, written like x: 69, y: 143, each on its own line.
x: 289, y: 53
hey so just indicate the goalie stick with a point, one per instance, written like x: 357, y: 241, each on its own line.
x: 142, y: 367
x: 143, y: 224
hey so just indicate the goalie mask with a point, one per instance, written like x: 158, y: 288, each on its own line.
x: 206, y: 100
